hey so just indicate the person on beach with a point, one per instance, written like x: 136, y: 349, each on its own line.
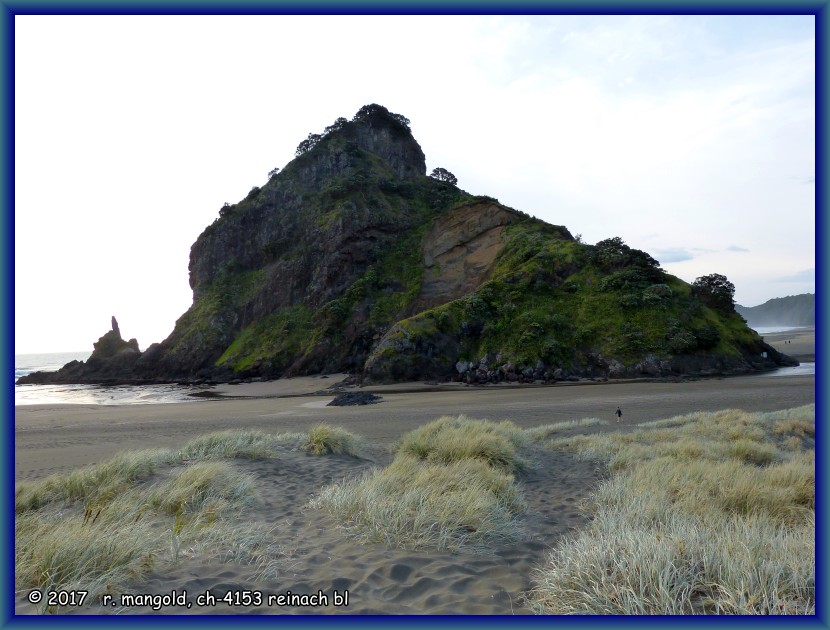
x: 618, y: 413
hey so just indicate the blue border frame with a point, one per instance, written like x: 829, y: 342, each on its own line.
x: 10, y: 8
x: 822, y: 28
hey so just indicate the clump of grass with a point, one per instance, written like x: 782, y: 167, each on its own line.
x: 415, y: 504
x: 547, y: 430
x: 795, y: 427
x: 449, y: 486
x: 199, y: 487
x: 228, y: 540
x: 54, y: 553
x: 97, y: 483
x: 653, y: 490
x: 103, y: 525
x: 324, y: 439
x: 237, y: 444
x: 97, y: 546
x: 713, y: 436
x: 742, y: 566
x: 449, y: 440
x: 705, y: 515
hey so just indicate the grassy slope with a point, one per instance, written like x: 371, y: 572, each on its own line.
x: 550, y: 299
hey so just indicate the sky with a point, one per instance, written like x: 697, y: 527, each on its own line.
x: 690, y: 137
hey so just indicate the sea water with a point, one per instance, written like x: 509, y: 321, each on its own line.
x: 89, y: 394
x: 48, y: 362
x: 768, y: 330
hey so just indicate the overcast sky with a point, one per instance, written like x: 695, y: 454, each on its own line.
x: 692, y: 138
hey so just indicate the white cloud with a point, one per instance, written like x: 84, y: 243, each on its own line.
x: 805, y: 275
x: 673, y: 255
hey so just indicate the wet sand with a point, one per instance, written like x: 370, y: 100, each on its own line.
x: 57, y: 438
x: 799, y: 343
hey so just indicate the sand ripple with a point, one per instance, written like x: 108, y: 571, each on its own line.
x: 318, y: 556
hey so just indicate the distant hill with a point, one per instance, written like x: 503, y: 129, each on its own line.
x: 793, y: 310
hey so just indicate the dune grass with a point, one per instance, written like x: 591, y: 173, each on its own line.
x: 237, y: 445
x: 450, y: 439
x: 710, y: 513
x: 53, y: 552
x: 449, y: 486
x: 324, y: 439
x: 95, y: 484
x: 547, y: 430
x: 102, y: 525
x: 200, y: 487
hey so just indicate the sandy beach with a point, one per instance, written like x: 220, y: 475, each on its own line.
x: 799, y: 343
x: 317, y: 555
x: 57, y: 438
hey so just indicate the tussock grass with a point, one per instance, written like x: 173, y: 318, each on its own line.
x: 103, y: 525
x: 745, y: 566
x: 100, y: 483
x: 708, y: 513
x: 547, y: 430
x: 100, y: 546
x: 245, y: 543
x: 200, y: 487
x: 97, y: 484
x: 798, y: 428
x: 54, y: 553
x: 452, y: 439
x: 237, y: 444
x: 324, y: 439
x: 449, y: 486
x: 753, y: 438
x: 415, y: 504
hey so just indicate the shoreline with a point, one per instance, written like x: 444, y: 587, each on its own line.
x: 301, y: 386
x: 798, y: 344
x: 53, y: 438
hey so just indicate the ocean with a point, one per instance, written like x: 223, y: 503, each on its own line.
x: 49, y: 362
x: 89, y: 394
x: 768, y: 330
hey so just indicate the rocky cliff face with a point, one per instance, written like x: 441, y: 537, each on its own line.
x: 353, y: 259
x: 460, y: 251
x: 113, y: 360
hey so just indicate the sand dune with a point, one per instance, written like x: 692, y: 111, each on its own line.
x: 317, y: 555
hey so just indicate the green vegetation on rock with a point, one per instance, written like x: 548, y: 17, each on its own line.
x: 278, y: 338
x: 554, y: 301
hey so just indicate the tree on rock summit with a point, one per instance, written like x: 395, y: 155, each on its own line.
x: 443, y: 175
